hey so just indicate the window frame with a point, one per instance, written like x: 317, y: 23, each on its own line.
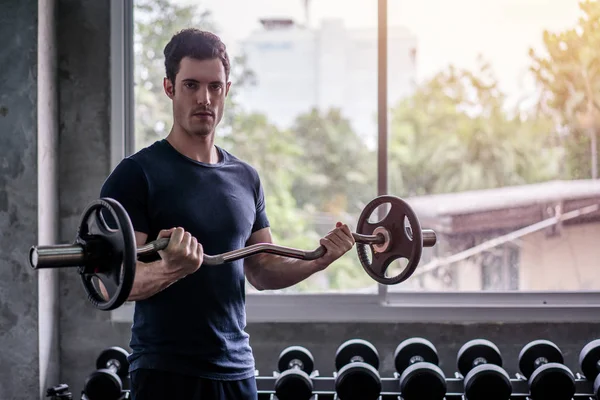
x: 382, y: 306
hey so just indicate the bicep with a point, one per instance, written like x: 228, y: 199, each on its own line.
x: 260, y: 236
x: 140, y: 238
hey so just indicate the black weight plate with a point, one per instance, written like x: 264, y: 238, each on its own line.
x: 552, y: 381
x: 114, y: 262
x: 414, y: 350
x: 487, y: 382
x: 475, y: 352
x: 589, y: 359
x: 354, y: 350
x: 423, y: 381
x: 117, y: 354
x: 535, y: 350
x: 103, y: 385
x: 358, y: 381
x: 293, y: 384
x: 296, y: 356
x: 403, y: 244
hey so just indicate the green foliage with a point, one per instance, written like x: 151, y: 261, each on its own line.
x: 569, y: 77
x: 454, y: 134
x: 338, y: 171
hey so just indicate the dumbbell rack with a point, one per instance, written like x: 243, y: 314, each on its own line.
x: 324, y: 387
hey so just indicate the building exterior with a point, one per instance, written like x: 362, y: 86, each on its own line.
x: 297, y: 69
x: 537, y: 237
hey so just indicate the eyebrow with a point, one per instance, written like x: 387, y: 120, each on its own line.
x: 197, y: 81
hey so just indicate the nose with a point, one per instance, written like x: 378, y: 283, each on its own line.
x: 203, y: 96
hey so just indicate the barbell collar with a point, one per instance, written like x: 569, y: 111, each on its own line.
x: 57, y: 256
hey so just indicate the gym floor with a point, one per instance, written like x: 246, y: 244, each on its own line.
x: 78, y: 332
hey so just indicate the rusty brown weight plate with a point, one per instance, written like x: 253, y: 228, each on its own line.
x: 405, y: 241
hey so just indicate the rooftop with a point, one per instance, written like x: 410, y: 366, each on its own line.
x: 476, y: 201
x: 277, y: 23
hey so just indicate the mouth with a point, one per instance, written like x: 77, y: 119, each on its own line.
x: 203, y: 114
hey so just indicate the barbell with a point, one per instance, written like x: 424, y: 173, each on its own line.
x: 111, y: 255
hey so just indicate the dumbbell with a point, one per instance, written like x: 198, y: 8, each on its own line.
x: 59, y: 392
x: 106, y: 382
x: 541, y: 362
x: 416, y: 360
x: 480, y: 363
x: 295, y: 365
x: 357, y: 364
x: 589, y: 362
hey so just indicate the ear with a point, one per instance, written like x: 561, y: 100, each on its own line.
x: 169, y: 88
x: 227, y: 88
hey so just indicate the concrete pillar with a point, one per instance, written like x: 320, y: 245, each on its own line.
x: 84, y: 39
x: 48, y: 213
x: 19, y: 366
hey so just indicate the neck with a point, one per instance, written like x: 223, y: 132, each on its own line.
x: 198, y: 148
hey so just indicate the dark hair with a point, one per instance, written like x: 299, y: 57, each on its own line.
x: 194, y: 43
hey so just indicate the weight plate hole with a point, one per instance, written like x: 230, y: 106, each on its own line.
x: 379, y: 213
x: 396, y: 267
x: 408, y: 229
x: 107, y: 221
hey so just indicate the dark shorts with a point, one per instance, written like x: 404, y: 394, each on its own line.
x: 149, y: 384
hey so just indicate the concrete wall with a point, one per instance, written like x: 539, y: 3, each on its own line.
x: 18, y: 200
x: 84, y: 84
x: 84, y: 81
x: 566, y: 261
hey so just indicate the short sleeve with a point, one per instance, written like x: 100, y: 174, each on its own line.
x: 261, y: 221
x: 128, y: 185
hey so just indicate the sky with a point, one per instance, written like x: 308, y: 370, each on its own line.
x: 447, y: 31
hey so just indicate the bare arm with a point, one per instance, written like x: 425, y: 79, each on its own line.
x: 270, y: 271
x: 150, y: 278
x: 153, y: 277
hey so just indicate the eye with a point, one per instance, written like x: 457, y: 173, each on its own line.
x: 216, y: 86
x: 190, y: 85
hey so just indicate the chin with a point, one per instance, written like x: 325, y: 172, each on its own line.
x: 201, y: 132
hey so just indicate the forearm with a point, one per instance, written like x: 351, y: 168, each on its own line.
x: 272, y: 272
x: 150, y: 278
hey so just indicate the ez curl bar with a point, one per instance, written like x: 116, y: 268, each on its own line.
x: 111, y: 255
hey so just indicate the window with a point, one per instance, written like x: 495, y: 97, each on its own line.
x: 302, y: 110
x: 490, y: 152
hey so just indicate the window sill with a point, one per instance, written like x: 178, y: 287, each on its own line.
x: 416, y: 307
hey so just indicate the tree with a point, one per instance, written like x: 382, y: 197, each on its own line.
x: 337, y: 169
x: 335, y: 176
x: 454, y: 134
x: 569, y: 78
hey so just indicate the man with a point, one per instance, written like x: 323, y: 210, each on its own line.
x: 188, y: 336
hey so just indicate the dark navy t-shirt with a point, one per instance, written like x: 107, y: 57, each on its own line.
x: 197, y: 325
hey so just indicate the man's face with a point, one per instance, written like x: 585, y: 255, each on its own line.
x: 198, y: 95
